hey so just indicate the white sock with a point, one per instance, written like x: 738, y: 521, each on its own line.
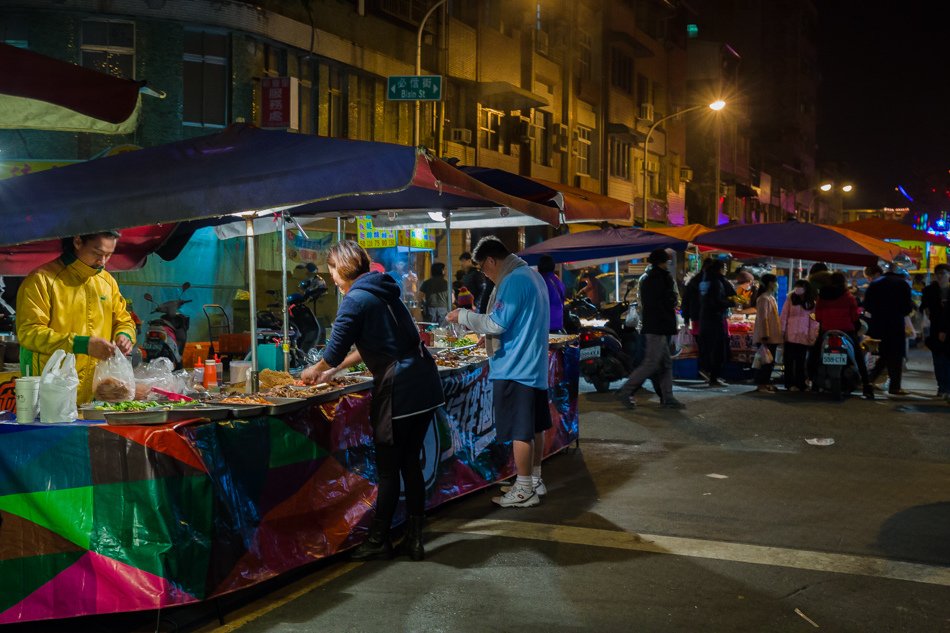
x: 524, y: 483
x: 535, y: 476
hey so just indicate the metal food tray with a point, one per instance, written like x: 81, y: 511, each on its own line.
x: 365, y: 383
x: 243, y: 410
x: 285, y: 405
x: 157, y: 415
x: 212, y: 412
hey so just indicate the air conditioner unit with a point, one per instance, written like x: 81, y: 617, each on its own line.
x: 560, y: 137
x: 686, y: 174
x: 461, y: 135
x: 541, y: 42
x: 653, y: 166
x: 646, y: 112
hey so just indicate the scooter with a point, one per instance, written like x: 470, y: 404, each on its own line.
x: 610, y: 351
x: 305, y: 332
x: 837, y: 367
x: 166, y: 335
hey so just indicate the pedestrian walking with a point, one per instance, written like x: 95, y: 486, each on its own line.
x: 837, y: 309
x: 888, y: 302
x: 933, y: 303
x: 658, y: 301
x: 767, y: 332
x: 556, y: 292
x: 716, y: 297
x: 800, y: 331
x: 516, y: 340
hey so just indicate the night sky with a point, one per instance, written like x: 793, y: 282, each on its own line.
x: 883, y: 99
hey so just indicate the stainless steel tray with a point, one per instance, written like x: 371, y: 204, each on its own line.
x: 212, y: 412
x: 157, y: 415
x: 285, y: 405
x: 243, y: 410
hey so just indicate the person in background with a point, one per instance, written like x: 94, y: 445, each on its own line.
x: 934, y: 304
x: 691, y: 300
x: 767, y: 330
x: 716, y: 297
x: 434, y: 295
x: 516, y: 340
x: 477, y: 283
x: 72, y: 303
x: 819, y: 276
x: 589, y: 286
x: 887, y: 302
x: 746, y: 290
x: 797, y: 314
x: 556, y: 292
x: 658, y: 300
x: 406, y: 389
x: 837, y: 309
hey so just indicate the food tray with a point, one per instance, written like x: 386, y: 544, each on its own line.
x: 285, y: 405
x: 243, y: 410
x: 212, y: 412
x: 157, y: 415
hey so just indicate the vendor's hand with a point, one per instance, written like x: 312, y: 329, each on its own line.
x: 124, y: 343
x: 100, y: 348
x: 481, y: 342
x: 453, y: 316
x: 311, y: 375
x: 327, y: 375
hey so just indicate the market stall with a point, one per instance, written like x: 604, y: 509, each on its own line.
x: 103, y: 518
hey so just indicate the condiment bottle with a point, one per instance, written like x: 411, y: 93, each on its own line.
x: 210, y: 378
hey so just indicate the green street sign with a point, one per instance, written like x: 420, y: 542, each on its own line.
x: 414, y: 88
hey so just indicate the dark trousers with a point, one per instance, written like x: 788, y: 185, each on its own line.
x: 763, y: 374
x: 891, y: 358
x: 713, y: 343
x: 795, y: 355
x: 402, y: 458
x: 942, y: 369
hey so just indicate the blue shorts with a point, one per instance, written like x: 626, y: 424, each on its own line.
x: 520, y: 411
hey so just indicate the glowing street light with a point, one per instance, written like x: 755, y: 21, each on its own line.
x: 717, y: 105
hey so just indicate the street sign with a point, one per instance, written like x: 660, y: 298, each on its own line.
x: 414, y: 88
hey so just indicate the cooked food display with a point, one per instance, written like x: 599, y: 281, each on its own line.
x: 111, y: 389
x: 269, y: 378
x: 562, y: 338
x: 299, y: 390
x: 245, y: 400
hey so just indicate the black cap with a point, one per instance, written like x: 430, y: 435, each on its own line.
x: 659, y: 256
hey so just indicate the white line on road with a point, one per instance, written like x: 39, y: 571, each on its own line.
x: 699, y: 548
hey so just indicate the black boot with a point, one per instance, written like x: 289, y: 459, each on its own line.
x: 412, y: 544
x: 377, y: 546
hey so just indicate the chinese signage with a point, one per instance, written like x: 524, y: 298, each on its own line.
x: 416, y: 239
x: 938, y: 255
x: 279, y: 100
x: 371, y: 237
x: 414, y: 88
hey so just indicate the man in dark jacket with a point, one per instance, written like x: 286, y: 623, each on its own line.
x: 716, y: 297
x: 476, y: 282
x: 934, y: 303
x: 658, y: 305
x: 887, y: 301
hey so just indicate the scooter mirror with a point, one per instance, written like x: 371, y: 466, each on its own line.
x: 185, y: 286
x: 148, y: 297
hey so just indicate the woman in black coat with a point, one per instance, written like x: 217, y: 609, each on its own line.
x: 406, y: 388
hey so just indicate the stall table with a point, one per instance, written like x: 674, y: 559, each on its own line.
x: 102, y: 519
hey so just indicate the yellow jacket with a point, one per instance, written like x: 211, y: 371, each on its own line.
x: 59, y: 306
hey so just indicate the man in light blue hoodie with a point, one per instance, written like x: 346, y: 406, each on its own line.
x: 516, y: 329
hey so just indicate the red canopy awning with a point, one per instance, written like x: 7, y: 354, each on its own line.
x: 893, y: 230
x: 43, y: 93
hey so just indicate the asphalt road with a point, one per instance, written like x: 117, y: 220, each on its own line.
x: 719, y: 517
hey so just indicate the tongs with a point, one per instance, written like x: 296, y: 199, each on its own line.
x: 171, y: 395
x: 460, y: 348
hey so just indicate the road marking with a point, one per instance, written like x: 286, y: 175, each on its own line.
x: 275, y: 601
x: 699, y: 548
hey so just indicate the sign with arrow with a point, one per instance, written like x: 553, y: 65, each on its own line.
x: 414, y: 88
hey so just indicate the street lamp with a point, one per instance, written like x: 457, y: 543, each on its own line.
x: 715, y: 105
x: 422, y: 24
x: 825, y: 187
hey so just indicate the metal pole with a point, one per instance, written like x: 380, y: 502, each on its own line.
x: 422, y: 24
x: 646, y: 145
x: 282, y: 225
x: 252, y: 282
x: 448, y: 254
x: 339, y: 238
x: 616, y: 280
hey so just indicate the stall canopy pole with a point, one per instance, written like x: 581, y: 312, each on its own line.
x: 617, y: 279
x: 339, y: 238
x: 282, y: 226
x: 252, y: 282
x: 449, y: 275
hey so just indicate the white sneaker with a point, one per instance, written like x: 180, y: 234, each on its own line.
x: 517, y: 497
x: 540, y: 488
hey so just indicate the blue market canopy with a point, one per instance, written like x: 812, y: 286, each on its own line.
x: 241, y: 169
x: 610, y: 243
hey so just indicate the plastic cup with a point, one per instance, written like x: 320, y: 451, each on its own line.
x: 239, y: 370
x: 27, y: 391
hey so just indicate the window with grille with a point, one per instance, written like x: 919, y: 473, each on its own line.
x: 621, y: 70
x: 109, y: 47
x: 583, y: 151
x: 541, y: 137
x: 584, y: 55
x: 489, y: 129
x: 619, y: 157
x: 205, y: 79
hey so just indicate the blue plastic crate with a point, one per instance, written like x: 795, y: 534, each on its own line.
x: 686, y: 368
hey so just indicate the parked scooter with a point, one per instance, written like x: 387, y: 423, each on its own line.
x: 167, y: 334
x: 610, y: 351
x: 305, y: 331
x: 837, y: 367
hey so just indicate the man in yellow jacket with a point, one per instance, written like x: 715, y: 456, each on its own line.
x: 74, y: 305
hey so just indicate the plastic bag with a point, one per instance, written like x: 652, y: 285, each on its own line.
x: 114, y: 380
x: 59, y: 384
x: 762, y: 357
x: 685, y: 338
x: 158, y: 373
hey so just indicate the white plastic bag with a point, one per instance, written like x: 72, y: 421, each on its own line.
x: 762, y: 357
x: 59, y: 383
x: 114, y: 380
